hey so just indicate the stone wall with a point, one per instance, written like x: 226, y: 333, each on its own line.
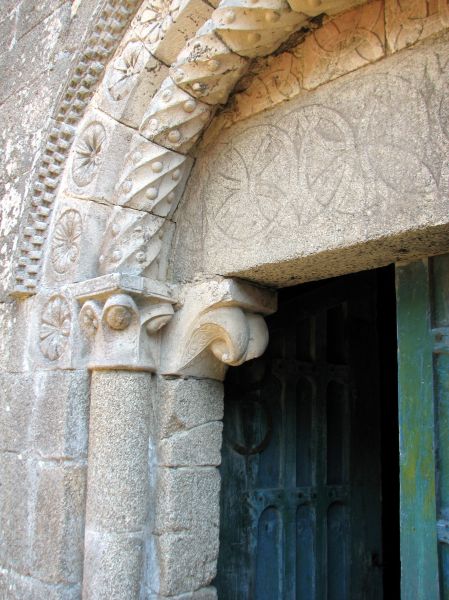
x: 39, y: 41
x: 349, y: 171
x: 43, y: 424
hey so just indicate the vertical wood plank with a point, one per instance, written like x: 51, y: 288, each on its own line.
x: 419, y: 549
x: 439, y: 276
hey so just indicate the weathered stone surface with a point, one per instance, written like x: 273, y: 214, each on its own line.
x: 187, y: 561
x: 76, y: 66
x: 118, y: 484
x: 271, y: 81
x: 96, y: 156
x: 113, y: 566
x: 52, y: 327
x: 219, y: 324
x: 199, y: 446
x: 341, y: 45
x: 136, y: 243
x: 344, y: 44
x: 8, y: 19
x: 15, y: 317
x: 120, y: 319
x: 312, y: 8
x: 14, y: 586
x: 187, y: 500
x: 344, y: 178
x: 21, y: 142
x: 38, y: 43
x: 166, y: 25
x: 365, y: 163
x: 16, y: 403
x: 206, y: 68
x: 174, y: 119
x: 188, y: 403
x: 72, y: 253
x: 153, y: 178
x: 410, y: 22
x: 255, y: 29
x: 26, y: 60
x: 130, y: 82
x: 118, y: 451
x: 14, y: 494
x: 58, y: 532
x: 61, y: 414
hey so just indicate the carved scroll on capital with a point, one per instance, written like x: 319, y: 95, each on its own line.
x: 119, y: 320
x: 220, y: 324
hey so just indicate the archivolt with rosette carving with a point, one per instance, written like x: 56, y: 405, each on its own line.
x: 202, y: 76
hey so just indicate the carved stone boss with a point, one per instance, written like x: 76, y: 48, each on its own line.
x: 134, y: 323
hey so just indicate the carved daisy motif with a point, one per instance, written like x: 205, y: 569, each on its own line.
x: 55, y: 328
x: 157, y: 18
x: 126, y: 70
x: 88, y: 155
x: 65, y: 246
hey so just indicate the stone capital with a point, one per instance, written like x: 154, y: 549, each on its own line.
x: 120, y: 319
x: 220, y: 323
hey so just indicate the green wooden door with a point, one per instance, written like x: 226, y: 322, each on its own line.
x: 301, y: 489
x: 422, y: 290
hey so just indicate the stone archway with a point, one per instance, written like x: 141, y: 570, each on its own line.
x: 158, y: 346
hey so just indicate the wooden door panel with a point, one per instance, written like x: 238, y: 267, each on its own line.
x: 423, y: 334
x: 300, y: 506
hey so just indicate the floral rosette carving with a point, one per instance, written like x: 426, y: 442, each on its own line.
x: 88, y: 154
x: 55, y: 328
x: 156, y: 18
x: 126, y: 70
x: 65, y: 244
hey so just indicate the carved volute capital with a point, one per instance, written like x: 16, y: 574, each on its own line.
x: 120, y: 319
x: 220, y: 323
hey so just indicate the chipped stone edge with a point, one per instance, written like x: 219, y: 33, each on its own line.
x: 101, y: 42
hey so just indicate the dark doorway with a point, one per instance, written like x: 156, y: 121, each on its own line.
x: 310, y: 464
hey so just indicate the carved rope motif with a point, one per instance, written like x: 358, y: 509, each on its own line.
x: 176, y: 117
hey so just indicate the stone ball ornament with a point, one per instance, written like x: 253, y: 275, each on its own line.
x: 119, y: 311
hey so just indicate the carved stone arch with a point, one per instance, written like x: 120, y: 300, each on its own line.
x: 126, y: 143
x: 114, y: 168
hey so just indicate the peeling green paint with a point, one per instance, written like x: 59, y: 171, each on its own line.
x: 419, y: 544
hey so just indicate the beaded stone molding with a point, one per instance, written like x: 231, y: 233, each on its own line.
x: 202, y: 77
x: 101, y: 42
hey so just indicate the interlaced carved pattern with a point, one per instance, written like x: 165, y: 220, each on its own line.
x: 238, y: 31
